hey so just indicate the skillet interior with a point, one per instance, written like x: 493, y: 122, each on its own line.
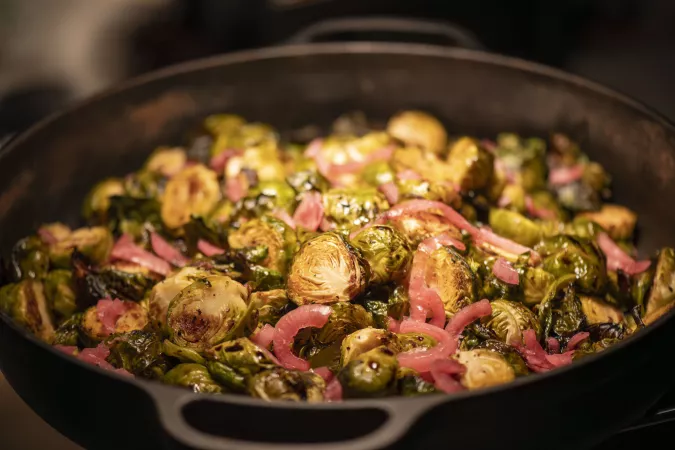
x: 45, y: 174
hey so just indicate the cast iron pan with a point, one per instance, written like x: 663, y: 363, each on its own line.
x: 46, y: 172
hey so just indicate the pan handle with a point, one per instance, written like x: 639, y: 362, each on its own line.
x: 455, y: 35
x: 230, y: 422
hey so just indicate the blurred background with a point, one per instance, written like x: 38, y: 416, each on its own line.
x: 54, y: 52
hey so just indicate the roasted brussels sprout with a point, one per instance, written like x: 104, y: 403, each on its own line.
x: 266, y: 197
x: 386, y: 250
x: 25, y: 302
x: 133, y: 317
x: 242, y: 355
x: 516, y: 227
x: 371, y: 374
x: 60, y: 293
x: 661, y: 294
x: 345, y: 318
x: 513, y: 197
x: 522, y: 160
x: 279, y: 240
x: 271, y: 305
x: 412, y: 341
x: 597, y: 311
x: 227, y: 377
x: 417, y: 128
x: 484, y: 368
x: 263, y: 159
x: 193, y: 190
x: 535, y: 282
x: 307, y: 180
x: 29, y: 259
x: 350, y: 208
x: 566, y: 314
x: 364, y: 340
x: 617, y: 220
x: 384, y: 301
x: 509, y: 353
x: 453, y: 279
x: 96, y: 204
x: 68, y: 333
x: 192, y: 376
x: 326, y: 270
x: 378, y: 173
x: 288, y: 385
x: 209, y: 311
x: 422, y: 225
x: 410, y: 384
x: 166, y: 161
x: 94, y: 243
x: 567, y: 255
x: 429, y: 190
x: 471, y: 165
x: 138, y: 352
x: 509, y: 319
x: 226, y: 125
x: 134, y: 216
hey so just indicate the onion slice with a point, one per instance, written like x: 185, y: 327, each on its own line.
x: 324, y: 372
x: 442, y: 371
x: 208, y: 249
x: 282, y: 215
x: 486, y: 236
x: 333, y: 391
x: 393, y: 325
x: 125, y: 249
x: 505, y: 272
x: 309, y: 213
x: 390, y: 191
x: 553, y: 345
x: 565, y: 175
x: 464, y: 317
x: 576, y: 340
x: 413, y: 206
x: 288, y: 326
x: 108, y: 312
x: 166, y: 251
x: 421, y: 359
x: 264, y: 336
x: 617, y: 259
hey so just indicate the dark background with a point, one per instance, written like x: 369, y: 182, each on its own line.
x: 54, y: 52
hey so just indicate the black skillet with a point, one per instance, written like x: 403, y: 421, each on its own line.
x: 45, y: 173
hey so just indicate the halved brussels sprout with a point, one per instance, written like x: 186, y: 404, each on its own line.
x: 29, y: 259
x: 364, y: 340
x: 209, y: 311
x: 617, y: 220
x: 509, y: 353
x: 326, y: 270
x: 193, y: 376
x: 597, y: 311
x: 345, y: 318
x: 429, y: 190
x: 453, y: 279
x: 95, y: 243
x: 288, y: 385
x: 471, y: 165
x: 193, y: 190
x: 263, y: 159
x: 535, y: 282
x: 484, y: 368
x: 386, y: 251
x: 166, y: 161
x: 350, y: 208
x: 514, y: 226
x: 68, y: 333
x: 509, y: 319
x: 138, y: 352
x: 242, y: 355
x: 135, y: 317
x: 417, y: 128
x: 25, y: 302
x: 271, y: 305
x: 424, y: 163
x: 60, y: 293
x: 96, y: 204
x: 163, y: 292
x: 422, y: 225
x: 266, y: 197
x: 276, y: 236
x: 661, y: 294
x: 371, y: 374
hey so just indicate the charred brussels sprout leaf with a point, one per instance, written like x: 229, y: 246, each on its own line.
x: 288, y: 385
x: 271, y: 305
x: 371, y: 374
x: 326, y: 270
x: 131, y: 215
x: 227, y: 376
x: 182, y: 354
x: 417, y: 128
x: 29, y: 259
x: 192, y: 376
x: 516, y: 227
x: 138, y: 352
x: 242, y: 355
x: 194, y: 190
x: 484, y: 368
x: 567, y: 255
x: 68, y: 333
x: 471, y: 165
x: 568, y: 317
x: 202, y: 228
x: 211, y: 310
x: 386, y: 251
x: 60, y: 293
x: 509, y: 319
x: 25, y: 302
x: 349, y: 208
